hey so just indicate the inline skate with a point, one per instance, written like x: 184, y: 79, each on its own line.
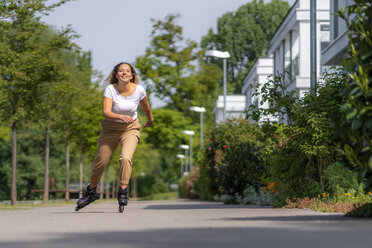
x: 89, y: 196
x: 122, y: 198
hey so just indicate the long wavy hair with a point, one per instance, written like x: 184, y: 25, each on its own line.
x: 111, y: 79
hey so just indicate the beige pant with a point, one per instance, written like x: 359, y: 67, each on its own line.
x: 112, y: 134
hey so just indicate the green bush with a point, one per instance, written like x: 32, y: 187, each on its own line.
x: 364, y: 210
x: 188, y: 184
x: 234, y: 159
x: 358, y: 90
x: 339, y: 176
x: 182, y: 187
x: 242, y: 167
x: 311, y: 138
x: 160, y: 187
x: 148, y: 185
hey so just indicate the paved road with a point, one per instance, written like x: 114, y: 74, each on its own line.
x: 179, y: 223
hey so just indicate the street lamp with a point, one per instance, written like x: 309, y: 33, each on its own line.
x: 182, y: 162
x: 224, y: 56
x: 190, y: 133
x: 186, y: 148
x: 201, y: 110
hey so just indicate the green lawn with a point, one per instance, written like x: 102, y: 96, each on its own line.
x: 162, y: 196
x: 23, y: 206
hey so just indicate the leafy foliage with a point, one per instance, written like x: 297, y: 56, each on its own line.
x: 245, y: 34
x: 358, y: 106
x: 166, y: 134
x: 168, y: 67
x: 44, y: 79
x: 234, y: 158
x: 298, y: 157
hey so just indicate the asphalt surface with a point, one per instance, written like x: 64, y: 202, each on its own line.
x: 179, y: 223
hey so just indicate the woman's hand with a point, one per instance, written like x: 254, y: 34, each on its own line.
x: 146, y: 108
x: 127, y: 118
x: 149, y: 123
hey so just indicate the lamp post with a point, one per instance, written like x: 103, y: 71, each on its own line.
x: 190, y: 133
x: 224, y: 56
x: 186, y: 148
x: 182, y: 162
x: 201, y: 110
x: 313, y: 39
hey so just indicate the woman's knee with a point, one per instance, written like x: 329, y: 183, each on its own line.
x: 125, y: 161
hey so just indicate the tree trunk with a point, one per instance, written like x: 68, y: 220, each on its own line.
x: 107, y: 192
x: 67, y: 195
x: 113, y: 189
x: 81, y: 176
x: 101, y: 188
x: 134, y: 187
x: 46, y: 168
x: 13, y: 195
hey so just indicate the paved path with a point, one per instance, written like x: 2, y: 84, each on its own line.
x: 179, y: 223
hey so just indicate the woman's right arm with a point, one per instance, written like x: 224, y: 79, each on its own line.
x: 109, y: 115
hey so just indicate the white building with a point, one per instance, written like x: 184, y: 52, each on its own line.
x: 258, y: 75
x: 235, y: 106
x: 290, y: 45
x: 332, y: 54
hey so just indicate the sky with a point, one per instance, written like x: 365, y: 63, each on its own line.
x: 119, y: 30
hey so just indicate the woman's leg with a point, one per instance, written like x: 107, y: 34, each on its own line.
x: 129, y: 141
x: 108, y: 141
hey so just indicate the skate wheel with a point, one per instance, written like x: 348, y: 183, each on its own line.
x: 121, y: 208
x: 78, y: 208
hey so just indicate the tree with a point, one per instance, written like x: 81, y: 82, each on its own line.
x: 61, y: 102
x: 358, y: 107
x: 82, y: 122
x: 170, y: 64
x: 245, y: 34
x: 25, y: 62
x: 167, y: 133
x: 166, y: 136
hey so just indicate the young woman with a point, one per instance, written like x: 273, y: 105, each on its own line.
x: 121, y: 125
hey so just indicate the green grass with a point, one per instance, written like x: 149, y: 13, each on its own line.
x: 23, y: 206
x: 28, y: 205
x: 173, y: 195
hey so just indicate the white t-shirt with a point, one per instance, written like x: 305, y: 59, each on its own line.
x: 125, y: 105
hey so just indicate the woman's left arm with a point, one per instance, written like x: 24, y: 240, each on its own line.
x: 146, y: 108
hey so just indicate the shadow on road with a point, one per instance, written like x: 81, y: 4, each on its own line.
x: 257, y: 237
x: 294, y: 218
x: 200, y: 206
x: 82, y: 212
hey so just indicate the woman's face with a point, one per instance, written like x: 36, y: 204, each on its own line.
x: 124, y: 73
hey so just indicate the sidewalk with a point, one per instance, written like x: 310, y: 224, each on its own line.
x: 179, y: 223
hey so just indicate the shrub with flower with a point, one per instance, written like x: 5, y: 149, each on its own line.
x: 270, y: 188
x: 234, y: 158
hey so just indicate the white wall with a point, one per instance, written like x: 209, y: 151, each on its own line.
x: 338, y: 36
x: 259, y: 74
x: 235, y: 107
x: 292, y: 41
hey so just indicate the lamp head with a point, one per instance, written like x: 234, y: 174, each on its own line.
x: 180, y: 156
x: 218, y: 54
x: 186, y: 147
x: 197, y: 109
x: 188, y: 132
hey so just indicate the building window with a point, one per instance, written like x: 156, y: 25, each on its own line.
x: 275, y: 63
x: 335, y: 20
x: 283, y: 56
x: 324, y: 36
x: 256, y: 103
x: 295, y: 66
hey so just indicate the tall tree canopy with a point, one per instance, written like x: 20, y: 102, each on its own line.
x: 169, y: 67
x: 245, y: 34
